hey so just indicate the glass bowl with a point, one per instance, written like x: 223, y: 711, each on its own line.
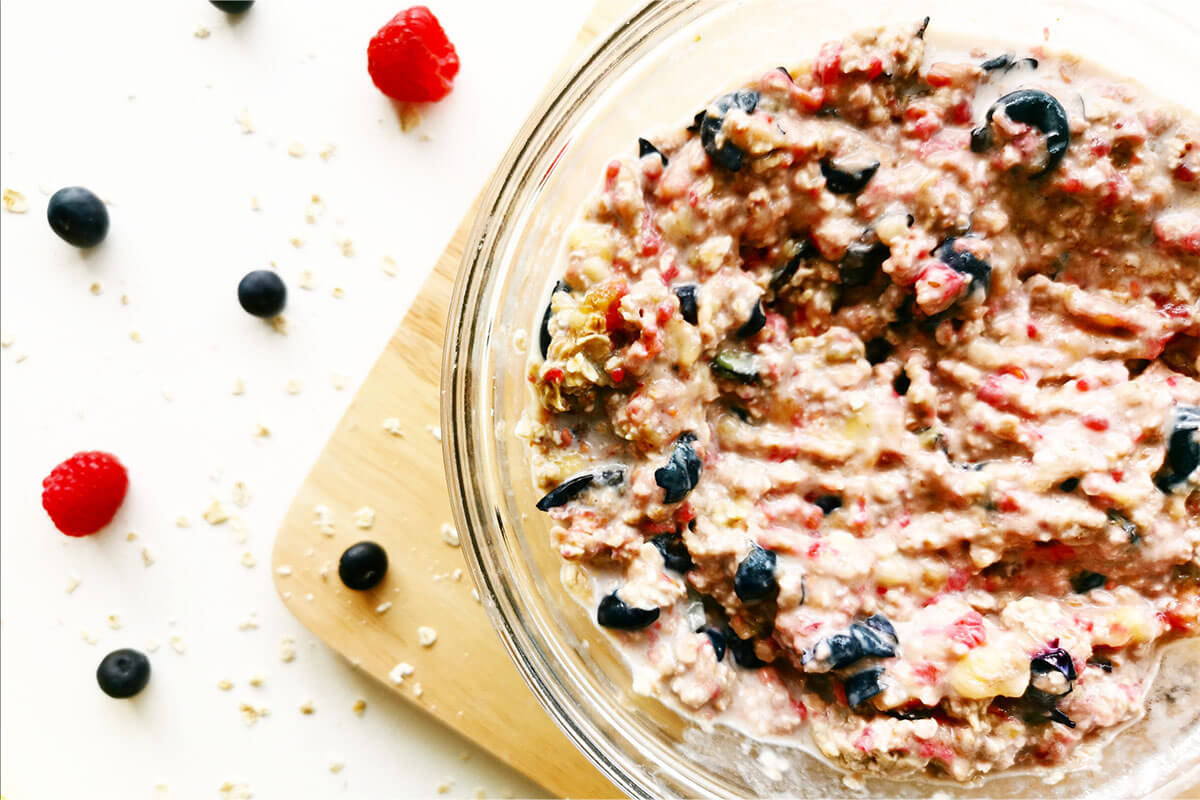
x: 661, y: 63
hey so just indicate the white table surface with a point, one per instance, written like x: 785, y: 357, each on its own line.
x: 125, y: 99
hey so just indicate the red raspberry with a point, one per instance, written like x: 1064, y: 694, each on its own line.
x: 410, y: 59
x: 83, y: 493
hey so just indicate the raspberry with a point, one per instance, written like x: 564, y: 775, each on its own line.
x: 410, y: 59
x: 83, y: 493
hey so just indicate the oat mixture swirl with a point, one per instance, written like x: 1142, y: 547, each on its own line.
x: 868, y: 405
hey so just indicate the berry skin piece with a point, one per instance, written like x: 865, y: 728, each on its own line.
x: 233, y: 6
x: 363, y: 566
x: 78, y: 216
x: 262, y: 293
x: 410, y: 59
x: 123, y: 673
x: 83, y: 493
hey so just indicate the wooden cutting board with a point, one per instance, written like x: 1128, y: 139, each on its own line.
x: 466, y: 678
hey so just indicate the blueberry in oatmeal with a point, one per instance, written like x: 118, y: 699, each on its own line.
x: 883, y: 378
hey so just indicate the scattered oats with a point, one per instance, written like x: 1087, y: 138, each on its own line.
x: 307, y: 709
x: 359, y: 707
x: 136, y: 336
x: 480, y: 794
x: 410, y: 116
x: 364, y: 518
x: 287, y: 649
x: 124, y: 299
x: 417, y: 690
x: 475, y: 596
x: 14, y: 202
x: 346, y: 245
x: 309, y: 597
x: 6, y: 339
x: 337, y: 292
x: 435, y: 431
x: 283, y: 570
x: 215, y: 513
x: 224, y: 685
x: 338, y: 380
x: 327, y: 151
x: 248, y: 559
x: 337, y: 764
x: 72, y: 583
x: 324, y: 571
x: 152, y: 645
x: 183, y: 522
x: 21, y: 357
x: 383, y: 607
x: 279, y: 324
x: 250, y: 623
x: 251, y: 715
x: 449, y: 534
x: 257, y: 680
x: 176, y: 642
x: 147, y: 557
x: 88, y: 637
x: 131, y: 537
x: 247, y: 125
x: 296, y: 241
x: 457, y: 574
x: 241, y: 532
x: 293, y: 386
x: 389, y: 266
x: 464, y: 756
x: 201, y: 32
x: 306, y: 280
x: 168, y: 396
x: 445, y: 786
x: 241, y: 495
x: 96, y: 288
x: 316, y: 208
x: 114, y: 621
x: 296, y: 150
x: 426, y: 636
x: 262, y: 431
x: 324, y: 519
x: 161, y: 791
x: 237, y: 791
x: 392, y: 426
x: 239, y: 387
x: 400, y: 672
x: 254, y: 206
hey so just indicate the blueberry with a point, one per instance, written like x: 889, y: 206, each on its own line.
x: 1069, y: 485
x: 1051, y: 677
x: 569, y: 489
x: 78, y: 216
x: 123, y: 673
x: 727, y: 155
x: 233, y: 6
x: 1007, y: 61
x: 843, y: 180
x: 1083, y: 582
x: 828, y: 503
x: 743, y: 651
x: 682, y: 472
x: 877, y: 350
x: 758, y: 319
x: 645, y: 148
x: 735, y: 365
x: 1182, y: 456
x: 1059, y: 716
x: 882, y: 626
x: 863, y: 260
x: 613, y: 613
x: 1125, y: 524
x: 844, y: 650
x: 688, y: 307
x: 262, y: 293
x: 544, y: 335
x: 872, y: 642
x: 1035, y: 108
x: 718, y: 641
x: 362, y: 566
x: 901, y: 383
x: 782, y: 276
x: 965, y: 263
x: 674, y: 552
x: 862, y: 686
x: 1053, y: 660
x: 755, y: 576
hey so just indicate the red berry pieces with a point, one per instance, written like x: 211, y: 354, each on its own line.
x: 410, y: 59
x: 83, y: 493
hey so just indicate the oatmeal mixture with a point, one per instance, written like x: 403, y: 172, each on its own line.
x: 868, y: 403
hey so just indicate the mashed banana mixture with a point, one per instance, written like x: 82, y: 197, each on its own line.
x: 869, y: 403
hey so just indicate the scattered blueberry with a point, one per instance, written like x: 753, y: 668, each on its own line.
x: 1006, y: 62
x: 828, y: 503
x: 262, y: 293
x: 843, y: 649
x: 727, y: 155
x: 873, y: 637
x: 613, y: 613
x: 1031, y: 107
x: 1058, y: 715
x: 785, y: 71
x: 544, y: 336
x: 688, y: 307
x: 901, y: 383
x: 1125, y: 524
x: 842, y: 180
x: 78, y: 216
x: 965, y: 263
x: 743, y: 651
x: 758, y: 319
x: 882, y: 626
x: 674, y: 552
x: 718, y: 641
x: 682, y: 472
x: 645, y: 148
x: 755, y: 576
x: 863, y: 260
x: 233, y: 6
x: 1183, y: 449
x: 862, y: 686
x: 362, y: 566
x: 1102, y: 663
x: 735, y: 365
x: 1069, y: 485
x: 877, y: 350
x: 569, y: 489
x: 782, y: 276
x: 123, y: 673
x: 1085, y: 581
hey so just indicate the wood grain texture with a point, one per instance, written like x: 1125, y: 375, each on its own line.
x: 466, y: 678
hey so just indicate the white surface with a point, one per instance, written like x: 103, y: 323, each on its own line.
x: 124, y: 99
